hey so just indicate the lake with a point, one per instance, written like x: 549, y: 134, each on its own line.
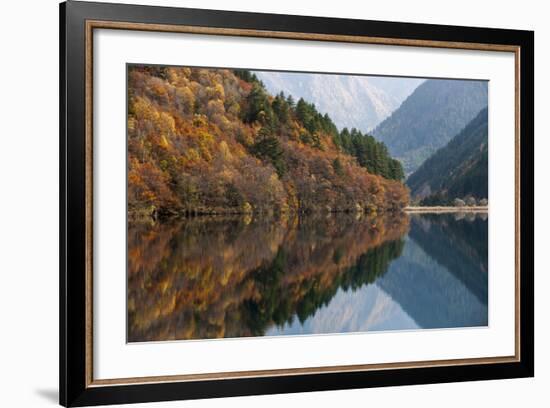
x: 240, y: 276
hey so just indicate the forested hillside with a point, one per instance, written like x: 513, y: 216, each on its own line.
x: 206, y: 141
x: 457, y: 170
x: 435, y: 112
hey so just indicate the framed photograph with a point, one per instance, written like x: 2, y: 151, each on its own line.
x: 256, y: 203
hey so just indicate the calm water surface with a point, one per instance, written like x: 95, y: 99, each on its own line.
x: 213, y: 277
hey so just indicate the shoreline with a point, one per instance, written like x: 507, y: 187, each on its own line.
x: 407, y: 210
x: 446, y: 209
x: 137, y: 215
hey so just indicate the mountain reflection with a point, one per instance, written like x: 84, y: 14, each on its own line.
x: 439, y: 280
x: 213, y: 277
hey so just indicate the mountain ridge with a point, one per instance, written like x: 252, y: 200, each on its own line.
x: 458, y: 169
x: 434, y: 113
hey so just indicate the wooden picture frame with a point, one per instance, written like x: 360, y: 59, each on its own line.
x: 78, y: 20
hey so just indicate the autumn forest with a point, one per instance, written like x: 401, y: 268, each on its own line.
x: 215, y: 141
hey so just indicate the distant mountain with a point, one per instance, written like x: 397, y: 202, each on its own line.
x: 435, y: 112
x: 351, y: 100
x: 459, y: 169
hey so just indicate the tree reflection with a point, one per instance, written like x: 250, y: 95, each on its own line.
x: 213, y: 277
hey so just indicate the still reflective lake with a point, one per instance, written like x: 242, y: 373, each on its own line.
x: 214, y: 277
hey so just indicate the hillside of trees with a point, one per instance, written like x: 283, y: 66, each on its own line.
x: 209, y: 141
x: 458, y: 170
x: 434, y: 113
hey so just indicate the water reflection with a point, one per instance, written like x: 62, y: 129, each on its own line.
x: 238, y: 276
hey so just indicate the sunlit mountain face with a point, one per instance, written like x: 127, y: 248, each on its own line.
x: 358, y: 101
